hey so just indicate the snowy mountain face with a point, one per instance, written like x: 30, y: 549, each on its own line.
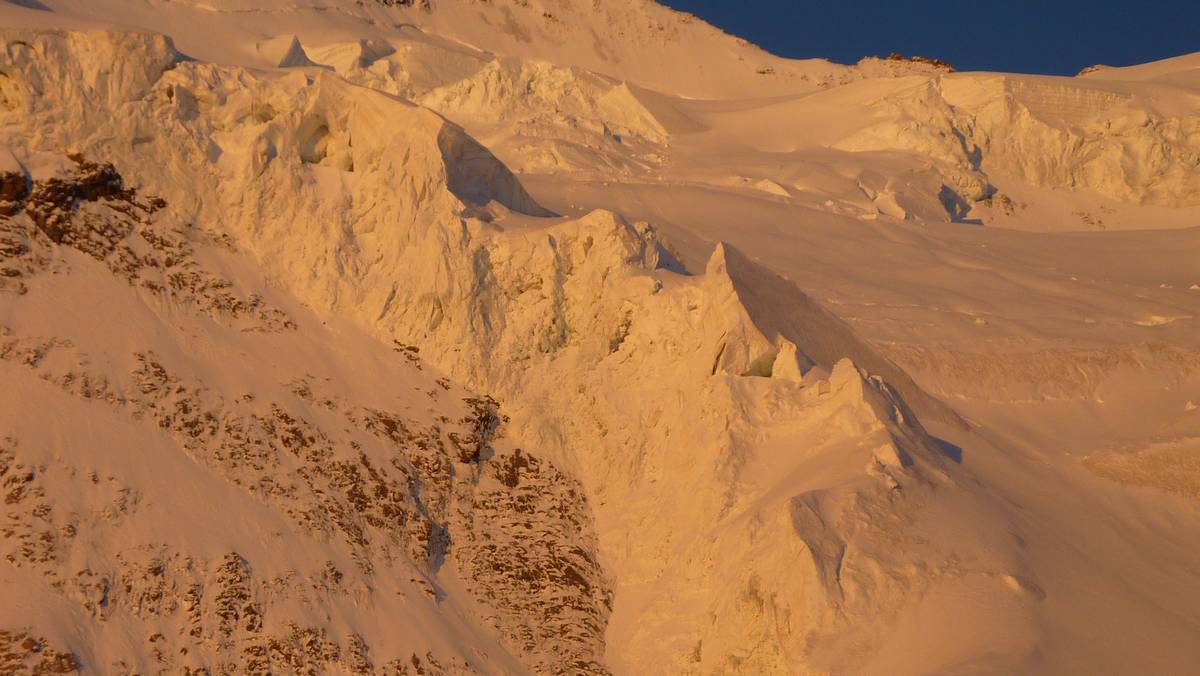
x: 552, y: 336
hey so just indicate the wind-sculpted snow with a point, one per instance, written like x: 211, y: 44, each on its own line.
x: 1050, y: 132
x: 342, y: 202
x: 300, y: 378
x: 548, y: 118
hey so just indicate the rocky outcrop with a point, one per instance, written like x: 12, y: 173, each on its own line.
x: 385, y: 498
x: 88, y: 209
x: 14, y: 188
x: 22, y: 654
x: 937, y: 64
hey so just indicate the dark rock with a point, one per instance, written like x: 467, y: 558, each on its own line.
x: 936, y: 63
x: 14, y: 188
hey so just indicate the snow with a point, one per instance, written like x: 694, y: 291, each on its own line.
x: 797, y: 367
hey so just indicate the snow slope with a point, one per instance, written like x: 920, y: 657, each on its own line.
x: 752, y: 366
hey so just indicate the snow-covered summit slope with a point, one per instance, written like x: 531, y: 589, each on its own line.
x: 636, y: 40
x: 732, y: 385
x: 559, y: 86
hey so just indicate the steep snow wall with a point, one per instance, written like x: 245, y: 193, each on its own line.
x: 1051, y: 132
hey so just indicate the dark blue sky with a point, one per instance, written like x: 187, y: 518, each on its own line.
x: 1050, y: 36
